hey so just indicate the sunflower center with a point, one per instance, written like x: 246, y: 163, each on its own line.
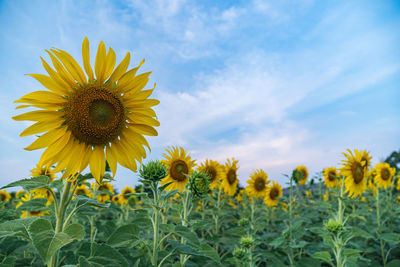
x: 211, y: 172
x: 274, y: 193
x: 259, y: 184
x: 178, y: 170
x: 358, y: 172
x: 385, y: 174
x: 35, y: 212
x: 332, y: 176
x: 95, y: 115
x: 80, y: 192
x: 231, y: 176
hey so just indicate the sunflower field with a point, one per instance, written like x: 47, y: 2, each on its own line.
x: 182, y: 212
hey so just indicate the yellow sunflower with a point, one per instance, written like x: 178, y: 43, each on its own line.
x: 240, y: 195
x: 355, y: 170
x: 398, y: 182
x: 274, y: 192
x: 124, y: 195
x: 42, y: 193
x: 43, y: 170
x: 34, y: 213
x: 365, y: 157
x: 214, y: 170
x: 384, y: 174
x: 116, y: 199
x: 179, y: 164
x: 83, y: 190
x: 330, y: 177
x: 371, y: 184
x: 104, y: 190
x: 230, y: 180
x: 4, y: 196
x: 257, y: 184
x: 303, y: 175
x: 19, y: 194
x: 88, y: 120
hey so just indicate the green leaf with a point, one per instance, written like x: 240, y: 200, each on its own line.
x: 323, y: 255
x: 351, y: 252
x: 183, y: 248
x: 31, y: 183
x: 392, y: 238
x: 393, y: 263
x: 47, y: 242
x: 104, y: 255
x: 38, y: 204
x: 209, y: 252
x: 358, y: 232
x: 86, y: 201
x: 306, y: 262
x: 187, y: 234
x: 18, y: 227
x: 123, y: 235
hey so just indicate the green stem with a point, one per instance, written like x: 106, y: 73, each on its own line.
x: 252, y: 208
x: 291, y: 255
x: 378, y: 218
x: 216, y: 217
x: 66, y: 195
x: 184, y: 217
x: 155, y: 225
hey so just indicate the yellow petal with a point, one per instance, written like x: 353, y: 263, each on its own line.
x: 46, y: 139
x: 56, y: 77
x: 38, y: 97
x: 110, y: 63
x: 63, y: 156
x: 144, y: 129
x: 111, y: 159
x: 86, y: 157
x: 98, y: 163
x: 62, y: 72
x: 127, y: 78
x: 43, y: 106
x: 132, y: 104
x: 141, y: 119
x: 135, y: 84
x: 120, y: 69
x: 144, y: 111
x: 134, y: 136
x: 86, y: 59
x: 144, y: 94
x: 75, y: 159
x: 71, y: 65
x: 48, y: 82
x: 54, y: 149
x: 123, y: 156
x: 38, y: 115
x: 41, y: 126
x: 99, y: 65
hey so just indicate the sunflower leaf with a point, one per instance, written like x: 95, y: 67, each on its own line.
x: 123, y: 235
x: 41, y: 181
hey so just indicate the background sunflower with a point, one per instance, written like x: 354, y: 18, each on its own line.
x: 274, y: 192
x: 331, y: 177
x: 230, y: 180
x: 257, y: 184
x: 384, y: 175
x: 355, y: 170
x: 214, y: 170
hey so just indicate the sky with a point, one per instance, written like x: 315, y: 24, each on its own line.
x: 274, y: 84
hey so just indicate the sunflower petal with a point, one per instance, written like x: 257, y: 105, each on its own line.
x: 99, y: 65
x: 86, y: 59
x: 71, y: 65
x: 86, y: 157
x: 41, y: 97
x: 54, y: 149
x: 62, y: 72
x: 55, y: 76
x: 144, y: 129
x: 141, y: 119
x: 97, y: 163
x: 148, y: 103
x: 38, y: 115
x: 48, y: 82
x: 110, y: 63
x: 41, y: 126
x: 111, y: 159
x: 120, y: 69
x: 46, y: 139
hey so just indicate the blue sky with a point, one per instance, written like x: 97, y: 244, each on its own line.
x: 274, y: 84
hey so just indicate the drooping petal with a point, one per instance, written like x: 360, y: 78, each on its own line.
x: 54, y: 148
x: 97, y: 163
x: 111, y: 159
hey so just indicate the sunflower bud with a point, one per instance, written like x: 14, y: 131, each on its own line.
x: 199, y: 184
x: 153, y: 171
x: 243, y: 222
x: 297, y: 176
x: 239, y: 253
x: 246, y: 241
x: 334, y: 226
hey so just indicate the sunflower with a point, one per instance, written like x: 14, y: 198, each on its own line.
x: 398, y: 182
x: 83, y: 190
x: 179, y: 164
x: 384, y: 174
x: 125, y: 194
x: 43, y: 170
x: 214, y: 170
x: 116, y: 199
x: 19, y: 194
x: 365, y: 157
x: 34, y: 213
x: 330, y: 177
x: 42, y: 193
x: 4, y: 196
x: 230, y: 179
x: 257, y: 184
x: 274, y: 192
x: 355, y: 170
x: 371, y: 184
x: 104, y: 190
x: 303, y: 175
x: 86, y: 120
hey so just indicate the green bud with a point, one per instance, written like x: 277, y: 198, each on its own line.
x: 243, y: 222
x: 334, y: 226
x: 132, y: 201
x: 239, y: 253
x: 153, y: 171
x: 297, y: 176
x: 246, y: 241
x: 199, y: 184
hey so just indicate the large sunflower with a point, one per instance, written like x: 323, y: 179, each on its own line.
x: 230, y: 179
x: 88, y: 120
x: 43, y: 170
x: 384, y: 174
x: 331, y: 177
x: 257, y: 184
x: 179, y: 164
x: 303, y: 175
x: 355, y: 170
x: 274, y: 192
x: 214, y: 170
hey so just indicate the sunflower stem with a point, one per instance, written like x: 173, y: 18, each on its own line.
x: 156, y: 225
x: 252, y: 207
x: 60, y: 217
x: 291, y: 255
x: 184, y: 216
x: 216, y: 217
x: 378, y: 219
